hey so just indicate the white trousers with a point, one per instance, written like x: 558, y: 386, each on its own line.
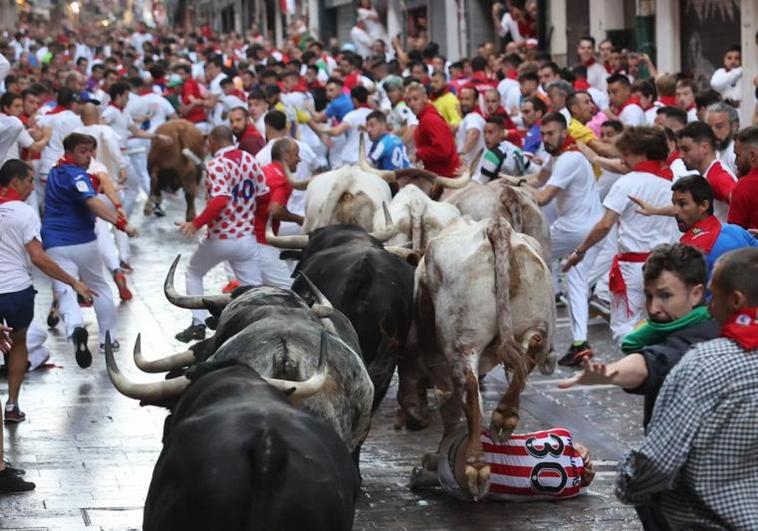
x: 602, y: 266
x: 83, y: 261
x: 105, y: 242
x: 139, y: 161
x: 577, y: 284
x: 274, y: 271
x: 625, y: 315
x: 242, y: 255
x: 35, y: 345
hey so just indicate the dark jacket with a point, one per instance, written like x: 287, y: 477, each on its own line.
x: 662, y: 357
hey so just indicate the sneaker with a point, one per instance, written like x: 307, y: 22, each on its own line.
x: 53, y: 317
x: 114, y: 346
x: 13, y: 469
x: 10, y: 482
x: 231, y: 286
x: 83, y: 355
x: 158, y: 211
x: 125, y: 267
x: 14, y: 415
x: 123, y: 290
x: 576, y: 353
x: 195, y: 331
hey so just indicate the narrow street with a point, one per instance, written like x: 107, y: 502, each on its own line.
x: 91, y: 451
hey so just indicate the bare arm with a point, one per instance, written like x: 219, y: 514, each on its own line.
x: 628, y: 373
x: 546, y: 194
x: 98, y: 208
x: 280, y: 213
x: 472, y: 137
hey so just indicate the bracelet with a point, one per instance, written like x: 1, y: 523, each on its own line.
x: 579, y: 253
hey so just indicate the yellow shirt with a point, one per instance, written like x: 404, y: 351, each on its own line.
x: 447, y: 105
x: 582, y: 133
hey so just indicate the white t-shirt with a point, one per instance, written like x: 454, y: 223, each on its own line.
x: 108, y: 148
x: 597, y: 76
x: 578, y: 202
x: 638, y: 233
x: 472, y: 120
x: 679, y: 169
x: 120, y: 121
x: 632, y: 115
x: 355, y: 119
x: 138, y: 39
x: 23, y: 139
x: 62, y: 124
x: 507, y: 89
x: 152, y: 106
x: 19, y: 224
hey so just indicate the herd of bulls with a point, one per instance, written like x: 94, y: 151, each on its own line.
x: 443, y: 281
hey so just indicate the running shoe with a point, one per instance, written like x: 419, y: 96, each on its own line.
x: 13, y: 414
x: 11, y: 482
x: 123, y: 290
x: 83, y: 355
x: 53, y: 317
x: 576, y: 353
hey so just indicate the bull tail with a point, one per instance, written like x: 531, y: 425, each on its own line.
x: 509, y: 351
x: 268, y: 460
x: 509, y: 199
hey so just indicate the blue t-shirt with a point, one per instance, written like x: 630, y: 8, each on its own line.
x: 731, y: 237
x: 67, y: 220
x: 339, y: 107
x: 533, y: 139
x: 388, y: 153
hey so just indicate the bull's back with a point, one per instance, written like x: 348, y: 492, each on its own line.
x: 244, y: 463
x: 184, y: 134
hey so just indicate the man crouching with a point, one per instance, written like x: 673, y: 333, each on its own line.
x: 543, y: 465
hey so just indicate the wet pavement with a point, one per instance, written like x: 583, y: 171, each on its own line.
x: 91, y: 451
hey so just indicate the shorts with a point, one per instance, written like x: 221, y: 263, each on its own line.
x: 17, y: 308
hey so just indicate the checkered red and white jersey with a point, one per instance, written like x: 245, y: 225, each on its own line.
x: 236, y: 174
x: 534, y: 466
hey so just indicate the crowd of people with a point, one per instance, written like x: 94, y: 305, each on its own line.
x: 649, y: 184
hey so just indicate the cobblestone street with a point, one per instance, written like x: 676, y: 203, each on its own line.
x: 91, y: 451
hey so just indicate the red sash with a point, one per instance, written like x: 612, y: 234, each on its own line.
x: 656, y: 167
x: 10, y: 195
x: 742, y: 327
x: 703, y: 234
x: 616, y: 283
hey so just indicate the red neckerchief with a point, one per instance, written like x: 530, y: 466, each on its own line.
x: 703, y: 234
x: 568, y: 145
x: 251, y: 130
x: 672, y: 157
x: 631, y: 100
x: 363, y: 106
x: 58, y: 109
x: 667, y: 101
x: 691, y: 106
x: 302, y: 85
x: 238, y: 93
x: 500, y: 111
x: 145, y: 91
x: 589, y: 62
x: 581, y: 84
x: 477, y: 110
x: 10, y: 195
x: 656, y: 167
x: 120, y: 109
x: 481, y: 78
x: 742, y: 328
x: 512, y: 74
x: 608, y: 67
x: 646, y: 107
x: 65, y: 159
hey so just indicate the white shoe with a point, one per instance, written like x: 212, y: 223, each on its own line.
x: 37, y: 358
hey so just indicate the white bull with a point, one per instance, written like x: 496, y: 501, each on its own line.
x: 484, y: 297
x: 417, y: 218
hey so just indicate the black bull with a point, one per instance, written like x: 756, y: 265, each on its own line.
x: 373, y: 288
x: 238, y: 456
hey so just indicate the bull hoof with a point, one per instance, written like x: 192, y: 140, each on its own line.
x: 504, y: 421
x: 149, y: 208
x: 477, y: 477
x: 399, y: 421
x: 415, y: 420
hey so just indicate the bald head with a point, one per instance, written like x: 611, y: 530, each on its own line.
x: 90, y: 114
x: 220, y: 137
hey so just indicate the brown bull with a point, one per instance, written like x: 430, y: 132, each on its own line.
x: 170, y: 169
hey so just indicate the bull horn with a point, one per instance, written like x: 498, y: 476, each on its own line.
x: 294, y: 183
x: 296, y: 241
x: 148, y: 392
x: 464, y: 179
x: 311, y: 386
x: 323, y: 307
x: 163, y: 364
x: 189, y: 154
x: 389, y: 229
x: 388, y: 175
x: 189, y: 302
